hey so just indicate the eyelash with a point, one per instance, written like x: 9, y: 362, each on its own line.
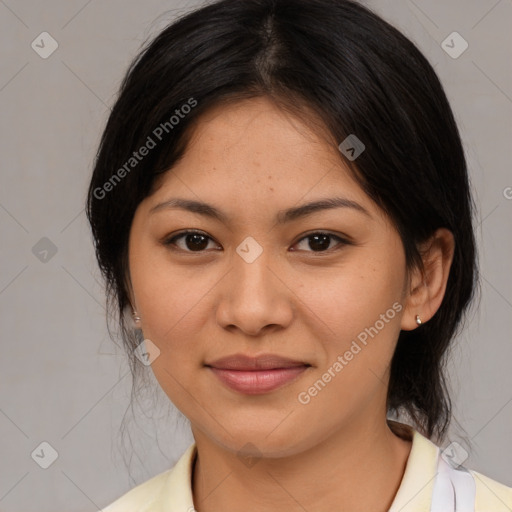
x: 170, y: 242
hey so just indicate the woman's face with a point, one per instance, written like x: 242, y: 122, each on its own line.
x: 260, y: 282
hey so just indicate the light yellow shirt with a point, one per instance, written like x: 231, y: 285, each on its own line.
x: 171, y: 491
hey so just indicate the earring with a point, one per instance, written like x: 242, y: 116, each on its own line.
x: 418, y: 320
x: 136, y: 317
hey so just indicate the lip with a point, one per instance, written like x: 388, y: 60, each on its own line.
x: 256, y: 375
x: 244, y: 362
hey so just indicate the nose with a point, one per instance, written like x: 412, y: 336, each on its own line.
x: 255, y: 299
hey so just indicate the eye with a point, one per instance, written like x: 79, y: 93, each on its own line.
x: 321, y: 241
x: 194, y: 241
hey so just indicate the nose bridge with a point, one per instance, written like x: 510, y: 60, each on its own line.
x: 253, y: 296
x: 251, y: 273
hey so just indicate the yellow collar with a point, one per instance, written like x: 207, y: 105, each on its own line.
x: 414, y: 493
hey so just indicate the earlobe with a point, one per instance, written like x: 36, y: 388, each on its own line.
x: 137, y: 323
x: 428, y: 286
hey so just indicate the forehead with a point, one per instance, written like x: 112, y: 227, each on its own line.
x: 256, y: 140
x: 260, y: 127
x: 243, y: 155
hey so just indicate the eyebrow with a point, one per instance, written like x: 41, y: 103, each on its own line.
x: 282, y: 217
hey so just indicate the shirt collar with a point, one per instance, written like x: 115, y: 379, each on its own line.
x: 414, y: 493
x: 417, y: 485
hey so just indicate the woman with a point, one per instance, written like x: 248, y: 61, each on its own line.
x: 281, y: 201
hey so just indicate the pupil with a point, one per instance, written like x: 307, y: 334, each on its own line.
x: 323, y: 244
x: 196, y: 245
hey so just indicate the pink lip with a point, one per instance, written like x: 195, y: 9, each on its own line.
x: 256, y: 375
x: 255, y: 382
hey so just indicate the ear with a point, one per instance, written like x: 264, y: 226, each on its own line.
x: 427, y: 287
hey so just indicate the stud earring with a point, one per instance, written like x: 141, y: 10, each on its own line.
x: 136, y: 317
x: 418, y: 320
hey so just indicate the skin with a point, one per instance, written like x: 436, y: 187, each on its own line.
x: 251, y: 160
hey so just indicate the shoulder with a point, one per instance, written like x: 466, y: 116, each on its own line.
x: 169, y: 490
x: 491, y: 496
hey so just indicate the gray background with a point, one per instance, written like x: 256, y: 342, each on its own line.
x: 61, y: 379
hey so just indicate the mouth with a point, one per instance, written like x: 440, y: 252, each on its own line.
x: 256, y: 375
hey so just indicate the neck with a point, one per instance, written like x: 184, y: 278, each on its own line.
x: 334, y: 475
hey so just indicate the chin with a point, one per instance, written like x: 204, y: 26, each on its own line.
x: 247, y: 440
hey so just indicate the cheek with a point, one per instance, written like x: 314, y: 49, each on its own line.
x: 362, y: 312
x: 352, y: 297
x: 170, y: 297
x: 360, y: 304
x: 172, y: 302
x: 174, y: 308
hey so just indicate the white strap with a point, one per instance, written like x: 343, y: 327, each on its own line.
x: 454, y: 489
